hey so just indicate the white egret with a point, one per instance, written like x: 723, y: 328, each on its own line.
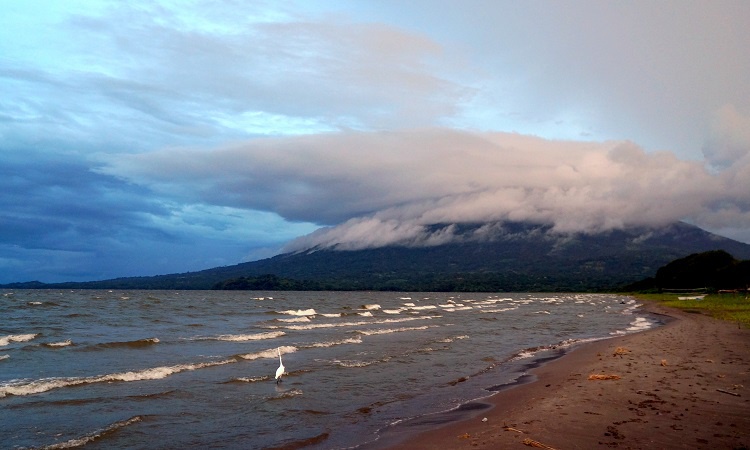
x: 280, y: 370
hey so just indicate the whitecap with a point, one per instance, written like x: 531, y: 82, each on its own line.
x: 392, y: 311
x: 422, y: 308
x: 451, y: 339
x: 296, y: 319
x: 299, y: 312
x: 248, y: 337
x: 2, y: 357
x: 17, y: 338
x: 270, y: 353
x: 331, y: 315
x: 350, y: 324
x: 373, y: 306
x: 355, y: 340
x: 64, y: 343
x: 47, y: 384
x: 499, y: 310
x: 390, y: 330
x: 365, y: 314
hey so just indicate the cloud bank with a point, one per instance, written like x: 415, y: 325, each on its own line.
x: 385, y: 188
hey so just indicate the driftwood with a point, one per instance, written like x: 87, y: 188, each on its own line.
x: 603, y: 377
x: 727, y: 392
x: 513, y: 429
x: 537, y: 444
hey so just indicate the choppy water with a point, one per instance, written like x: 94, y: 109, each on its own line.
x: 166, y: 369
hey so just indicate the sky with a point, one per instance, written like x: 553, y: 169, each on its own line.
x: 151, y: 137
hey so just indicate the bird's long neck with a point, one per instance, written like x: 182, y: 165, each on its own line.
x: 279, y: 356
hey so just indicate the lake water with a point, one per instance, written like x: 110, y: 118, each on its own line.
x: 195, y: 369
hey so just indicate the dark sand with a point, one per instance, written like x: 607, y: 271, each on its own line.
x: 669, y: 395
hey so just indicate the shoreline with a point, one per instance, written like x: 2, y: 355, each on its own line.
x: 684, y: 384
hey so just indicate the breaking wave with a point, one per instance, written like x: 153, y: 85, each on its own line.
x: 79, y: 442
x: 139, y: 343
x: 17, y: 338
x: 245, y: 337
x: 48, y: 384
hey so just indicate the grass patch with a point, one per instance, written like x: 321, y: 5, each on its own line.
x: 729, y: 307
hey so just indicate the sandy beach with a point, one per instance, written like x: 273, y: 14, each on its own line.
x: 682, y: 385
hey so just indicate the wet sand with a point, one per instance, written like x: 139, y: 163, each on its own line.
x: 683, y: 385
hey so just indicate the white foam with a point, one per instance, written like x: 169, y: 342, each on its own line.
x: 409, y: 304
x: 390, y: 330
x: 422, y: 308
x: 499, y: 310
x: 299, y: 312
x: 270, y: 353
x: 296, y: 319
x: 331, y: 315
x: 64, y: 343
x: 639, y: 324
x: 365, y: 314
x: 2, y: 357
x: 248, y: 337
x: 463, y: 308
x: 253, y: 379
x: 354, y: 340
x: 352, y: 324
x: 374, y: 306
x: 47, y: 384
x: 17, y: 338
x: 449, y: 340
x: 392, y: 311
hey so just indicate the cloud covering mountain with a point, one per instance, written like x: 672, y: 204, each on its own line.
x: 383, y: 188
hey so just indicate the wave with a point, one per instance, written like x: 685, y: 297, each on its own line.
x: 392, y: 311
x: 296, y: 319
x: 356, y: 340
x: 64, y: 343
x: 17, y: 338
x: 372, y: 307
x: 96, y: 435
x: 48, y: 384
x: 533, y: 351
x: 246, y: 337
x: 451, y: 339
x: 249, y: 379
x: 422, y: 308
x: 299, y: 312
x: 639, y: 324
x: 270, y: 353
x: 139, y: 343
x: 349, y: 364
x: 365, y: 314
x: 332, y: 315
x: 352, y: 324
x: 2, y: 357
x: 390, y: 330
x: 499, y: 310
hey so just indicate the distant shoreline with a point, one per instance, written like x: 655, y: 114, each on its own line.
x: 681, y: 385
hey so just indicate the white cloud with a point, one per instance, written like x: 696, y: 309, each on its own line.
x: 383, y: 188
